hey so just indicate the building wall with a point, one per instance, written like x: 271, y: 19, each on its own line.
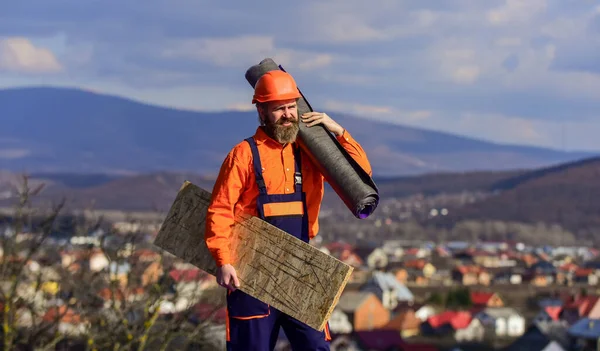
x: 371, y: 315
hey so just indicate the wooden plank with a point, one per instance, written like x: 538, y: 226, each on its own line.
x: 272, y: 265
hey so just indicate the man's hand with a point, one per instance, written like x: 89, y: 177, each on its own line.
x: 227, y: 278
x: 314, y: 118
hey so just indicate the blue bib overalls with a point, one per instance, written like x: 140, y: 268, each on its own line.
x: 253, y: 325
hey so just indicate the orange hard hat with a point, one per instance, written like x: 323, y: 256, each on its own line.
x: 275, y: 85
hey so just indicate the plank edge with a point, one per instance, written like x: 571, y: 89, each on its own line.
x: 336, y: 299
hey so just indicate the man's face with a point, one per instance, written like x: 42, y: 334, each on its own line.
x: 281, y: 120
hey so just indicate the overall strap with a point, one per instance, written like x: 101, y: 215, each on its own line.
x: 297, y: 170
x: 260, y: 181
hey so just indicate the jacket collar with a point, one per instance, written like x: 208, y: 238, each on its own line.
x: 261, y: 136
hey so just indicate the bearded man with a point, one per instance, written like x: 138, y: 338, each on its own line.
x: 268, y: 176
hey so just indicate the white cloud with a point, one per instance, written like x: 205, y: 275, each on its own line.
x: 507, y: 128
x: 378, y: 112
x: 225, y: 52
x: 242, y: 52
x: 316, y: 61
x: 516, y: 11
x: 13, y: 153
x: 19, y: 55
x: 241, y: 106
x: 508, y: 42
x: 466, y: 74
x: 405, y: 61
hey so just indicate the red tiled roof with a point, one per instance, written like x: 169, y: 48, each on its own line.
x: 418, y: 264
x: 109, y: 294
x: 568, y: 267
x: 412, y: 251
x: 583, y: 272
x: 554, y: 312
x: 583, y: 304
x: 457, y: 319
x: 481, y: 298
x: 65, y: 315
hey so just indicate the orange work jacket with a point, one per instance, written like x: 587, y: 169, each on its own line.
x: 235, y: 188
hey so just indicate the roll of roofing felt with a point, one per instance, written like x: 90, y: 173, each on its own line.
x: 352, y: 184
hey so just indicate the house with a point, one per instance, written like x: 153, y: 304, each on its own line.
x: 68, y: 321
x: 98, y: 260
x: 146, y: 256
x: 564, y: 273
x: 152, y: 273
x: 424, y: 312
x: 401, y: 275
x: 542, y: 267
x: 502, y: 321
x: 445, y: 323
x: 539, y: 279
x: 585, y: 334
x: 486, y: 299
x: 387, y: 289
x: 508, y: 276
x: 593, y: 312
x: 548, y: 314
x: 585, y: 276
x: 416, y: 252
x: 350, y: 258
x: 189, y: 285
x: 487, y: 259
x: 470, y: 275
x: 119, y: 272
x: 421, y: 266
x: 375, y: 258
x: 116, y: 297
x: 554, y: 330
x: 463, y: 258
x: 417, y: 278
x: 529, y: 259
x: 474, y: 332
x: 364, y: 311
x: 578, y: 308
x: 339, y: 322
x: 595, y: 264
x: 405, y: 322
x: 535, y: 340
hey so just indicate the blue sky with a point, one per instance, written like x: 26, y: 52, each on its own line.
x: 518, y: 71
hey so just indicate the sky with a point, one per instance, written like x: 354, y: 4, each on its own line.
x: 513, y: 71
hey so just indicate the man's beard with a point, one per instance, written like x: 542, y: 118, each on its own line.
x: 281, y: 133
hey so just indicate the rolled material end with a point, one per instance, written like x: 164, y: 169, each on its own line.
x: 366, y: 207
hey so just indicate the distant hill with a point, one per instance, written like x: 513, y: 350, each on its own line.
x: 158, y: 189
x: 567, y: 194
x: 74, y: 131
x: 146, y: 192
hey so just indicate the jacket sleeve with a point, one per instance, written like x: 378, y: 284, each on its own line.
x: 355, y: 151
x: 220, y: 216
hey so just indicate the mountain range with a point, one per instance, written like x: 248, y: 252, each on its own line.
x: 564, y: 194
x: 50, y: 129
